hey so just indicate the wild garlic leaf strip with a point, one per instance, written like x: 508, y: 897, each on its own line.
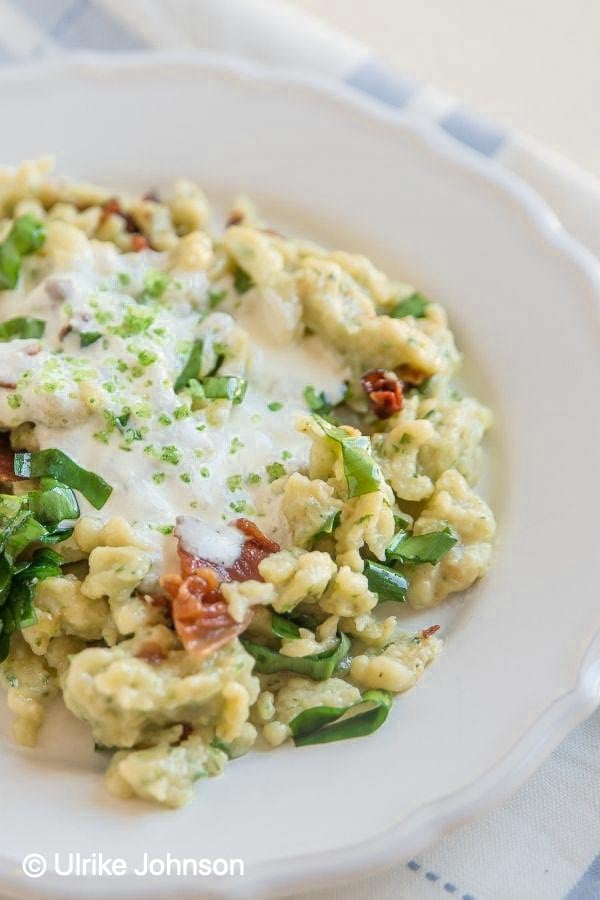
x: 363, y: 475
x: 318, y: 667
x: 22, y: 327
x: 324, y: 724
x: 386, y: 582
x: 26, y: 236
x: 53, y: 463
x: 414, y: 549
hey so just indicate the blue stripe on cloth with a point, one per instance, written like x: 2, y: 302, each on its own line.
x: 87, y: 26
x: 474, y: 131
x: 382, y: 82
x: 45, y: 13
x: 588, y: 886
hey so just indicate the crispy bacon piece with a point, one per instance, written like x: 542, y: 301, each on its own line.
x: 235, y: 218
x: 384, y: 391
x: 427, y: 632
x: 256, y: 546
x: 152, y: 653
x: 113, y: 207
x: 138, y: 242
x: 186, y: 731
x: 410, y: 376
x: 7, y: 456
x: 200, y: 613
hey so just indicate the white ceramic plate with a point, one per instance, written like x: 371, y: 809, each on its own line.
x: 521, y: 664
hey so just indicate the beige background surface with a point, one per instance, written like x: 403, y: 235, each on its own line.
x: 532, y: 64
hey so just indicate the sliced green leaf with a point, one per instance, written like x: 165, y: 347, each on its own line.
x: 224, y: 387
x: 28, y: 531
x: 421, y: 548
x: 26, y: 235
x: 53, y: 463
x: 22, y: 327
x: 415, y: 305
x: 18, y: 610
x: 363, y: 475
x: 325, y: 724
x: 54, y: 503
x: 56, y: 536
x: 330, y: 524
x: 385, y: 581
x: 318, y: 667
x: 191, y: 368
x: 284, y: 628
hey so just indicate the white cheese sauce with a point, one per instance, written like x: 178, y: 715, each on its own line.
x: 111, y: 405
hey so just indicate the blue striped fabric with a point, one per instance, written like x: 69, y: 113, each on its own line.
x: 382, y: 82
x: 588, y: 886
x: 46, y: 13
x: 90, y: 26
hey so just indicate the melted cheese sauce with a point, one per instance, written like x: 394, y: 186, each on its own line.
x: 161, y: 459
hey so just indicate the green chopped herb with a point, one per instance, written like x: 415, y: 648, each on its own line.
x: 53, y: 463
x: 165, y: 529
x: 215, y: 297
x: 22, y: 327
x: 146, y: 357
x: 242, y: 280
x: 235, y: 445
x: 155, y: 284
x: 158, y: 477
x: 363, y: 475
x: 136, y: 320
x: 204, y: 472
x: 234, y: 483
x: 316, y: 402
x: 124, y: 278
x: 274, y: 471
x: 253, y: 478
x: 324, y: 724
x: 385, y: 581
x: 241, y: 506
x: 171, y: 454
x: 415, y: 305
x: 26, y: 235
x: 89, y: 337
x: 275, y: 406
